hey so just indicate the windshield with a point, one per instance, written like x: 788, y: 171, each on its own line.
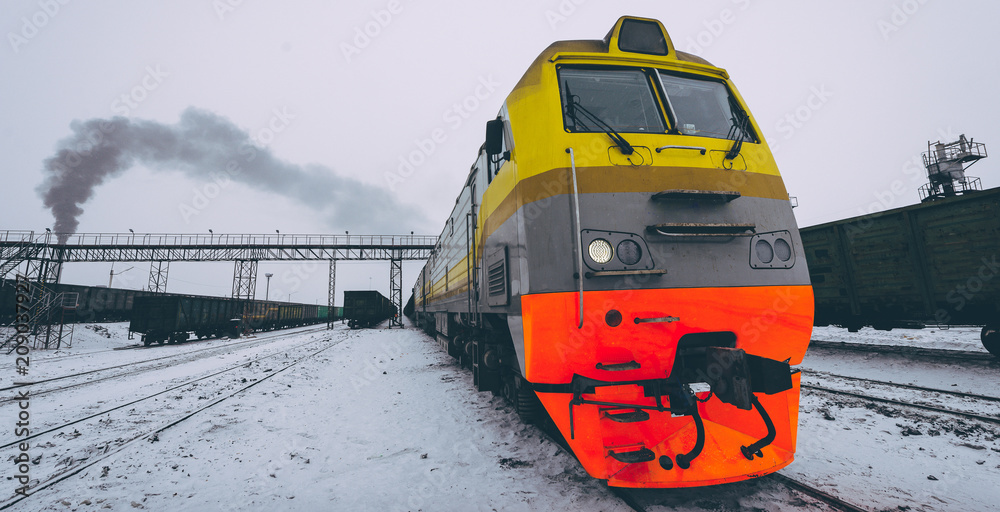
x: 622, y: 99
x: 705, y: 108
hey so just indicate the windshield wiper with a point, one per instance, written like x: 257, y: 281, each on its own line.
x: 574, y: 105
x: 738, y: 128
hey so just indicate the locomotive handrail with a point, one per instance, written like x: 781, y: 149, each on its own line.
x: 577, y: 228
x: 695, y: 148
x: 697, y: 230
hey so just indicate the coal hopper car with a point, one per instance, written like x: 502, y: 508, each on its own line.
x: 367, y: 308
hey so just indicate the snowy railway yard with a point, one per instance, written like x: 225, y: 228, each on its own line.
x: 311, y: 419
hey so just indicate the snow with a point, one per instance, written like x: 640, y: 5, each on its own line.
x: 941, y: 338
x: 882, y: 456
x: 383, y: 420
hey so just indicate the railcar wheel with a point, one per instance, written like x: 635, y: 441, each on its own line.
x: 991, y: 337
x: 468, y: 353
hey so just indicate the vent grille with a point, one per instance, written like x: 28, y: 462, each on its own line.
x: 496, y: 278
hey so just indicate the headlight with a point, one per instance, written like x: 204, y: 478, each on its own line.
x: 772, y: 250
x: 629, y: 252
x: 782, y: 250
x: 764, y: 251
x: 600, y: 251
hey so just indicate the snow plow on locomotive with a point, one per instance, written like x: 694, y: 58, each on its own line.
x: 623, y: 260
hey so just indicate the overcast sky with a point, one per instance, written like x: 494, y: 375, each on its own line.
x: 847, y: 93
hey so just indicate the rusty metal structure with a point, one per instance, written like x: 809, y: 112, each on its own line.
x: 946, y: 164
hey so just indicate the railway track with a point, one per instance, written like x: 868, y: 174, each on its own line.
x: 131, y: 367
x: 106, y: 449
x: 940, y: 410
x: 829, y: 499
x: 638, y: 503
x: 963, y: 355
x: 908, y: 386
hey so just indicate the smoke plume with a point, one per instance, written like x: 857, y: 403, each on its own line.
x: 207, y: 147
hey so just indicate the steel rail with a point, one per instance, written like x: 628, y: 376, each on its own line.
x: 55, y: 479
x: 988, y: 419
x: 829, y: 499
x: 906, y: 386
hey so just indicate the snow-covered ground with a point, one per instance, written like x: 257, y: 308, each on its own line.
x: 948, y: 338
x: 382, y: 420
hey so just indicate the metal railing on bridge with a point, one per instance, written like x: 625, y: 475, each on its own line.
x: 109, y: 247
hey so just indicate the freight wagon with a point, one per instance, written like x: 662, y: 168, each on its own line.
x: 367, y: 308
x: 171, y: 319
x: 94, y: 303
x: 101, y: 304
x: 936, y: 262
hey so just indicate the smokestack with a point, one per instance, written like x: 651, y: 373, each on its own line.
x: 206, y: 146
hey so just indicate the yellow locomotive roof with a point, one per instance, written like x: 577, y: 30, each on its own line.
x: 631, y: 39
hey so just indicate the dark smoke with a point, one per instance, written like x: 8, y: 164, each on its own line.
x: 208, y: 147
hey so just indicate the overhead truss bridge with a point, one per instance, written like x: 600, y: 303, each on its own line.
x: 43, y: 254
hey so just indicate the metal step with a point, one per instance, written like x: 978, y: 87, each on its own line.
x: 634, y: 416
x: 634, y: 457
x: 713, y: 196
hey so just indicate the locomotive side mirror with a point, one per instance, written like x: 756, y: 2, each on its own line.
x: 494, y: 137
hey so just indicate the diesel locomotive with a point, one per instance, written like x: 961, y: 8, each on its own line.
x: 623, y: 263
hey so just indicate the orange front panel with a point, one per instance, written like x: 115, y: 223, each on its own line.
x: 769, y: 321
x: 727, y: 428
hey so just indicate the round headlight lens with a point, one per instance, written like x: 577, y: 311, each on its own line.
x: 629, y: 252
x: 782, y: 250
x: 600, y: 251
x: 765, y: 253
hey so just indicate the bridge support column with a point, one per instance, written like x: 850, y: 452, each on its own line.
x: 396, y: 289
x: 245, y: 288
x: 44, y: 271
x: 331, y: 294
x: 245, y: 279
x: 158, y: 276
